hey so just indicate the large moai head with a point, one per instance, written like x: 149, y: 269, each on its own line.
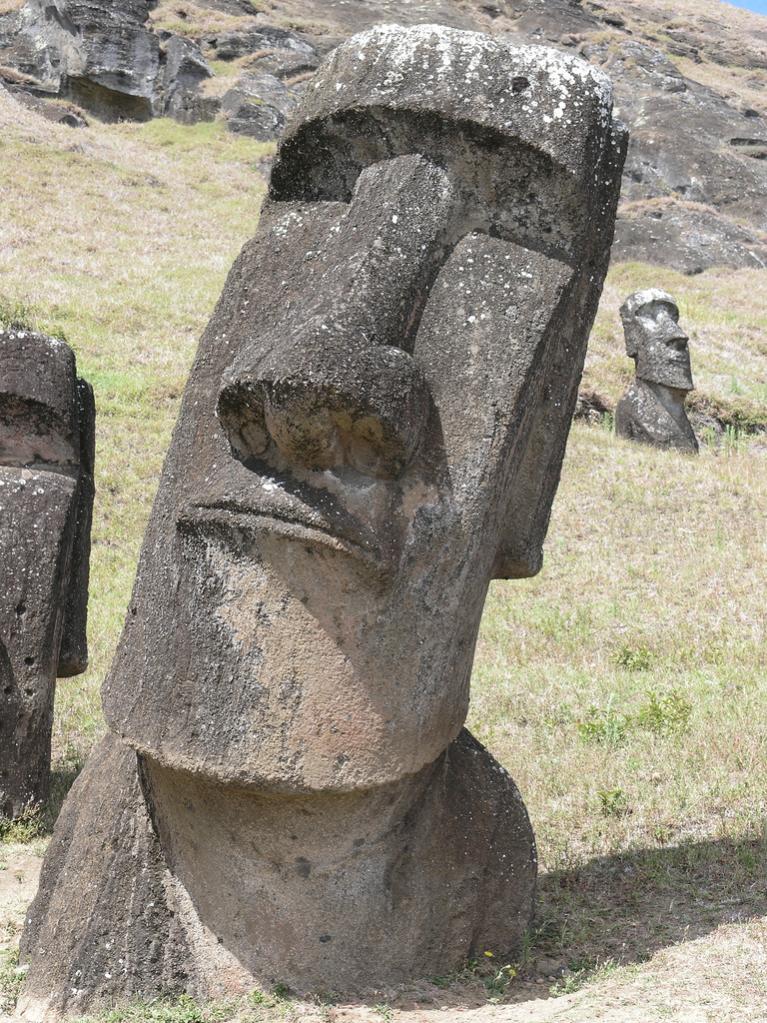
x: 373, y: 430
x: 655, y: 341
x: 376, y: 419
x: 46, y: 498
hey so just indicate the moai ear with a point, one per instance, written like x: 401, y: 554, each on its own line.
x: 73, y: 653
x: 521, y: 552
x: 630, y: 327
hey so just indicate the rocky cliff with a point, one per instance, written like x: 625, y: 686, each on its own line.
x: 691, y: 82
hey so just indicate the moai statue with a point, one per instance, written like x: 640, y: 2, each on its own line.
x: 372, y: 431
x: 652, y: 409
x: 46, y: 500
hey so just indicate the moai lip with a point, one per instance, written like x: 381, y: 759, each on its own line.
x: 46, y: 499
x: 373, y: 430
x: 652, y: 411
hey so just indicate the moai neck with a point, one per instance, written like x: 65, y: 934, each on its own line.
x: 671, y: 398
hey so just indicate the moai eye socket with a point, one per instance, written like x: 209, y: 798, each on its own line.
x: 38, y: 402
x: 31, y: 434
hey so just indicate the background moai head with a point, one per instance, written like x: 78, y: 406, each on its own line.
x: 46, y: 498
x: 655, y: 341
x: 376, y: 419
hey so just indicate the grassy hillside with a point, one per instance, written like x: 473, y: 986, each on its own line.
x: 624, y: 687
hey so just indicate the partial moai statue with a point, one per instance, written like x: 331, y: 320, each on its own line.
x: 46, y: 501
x: 372, y: 431
x: 652, y: 409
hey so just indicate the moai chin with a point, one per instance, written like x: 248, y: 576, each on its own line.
x: 652, y: 409
x: 46, y: 501
x: 372, y: 431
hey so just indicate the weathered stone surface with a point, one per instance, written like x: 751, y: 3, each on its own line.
x: 390, y: 373
x: 682, y: 149
x: 105, y: 824
x: 58, y: 112
x: 652, y: 409
x: 266, y: 38
x: 687, y: 236
x: 100, y: 55
x: 46, y: 498
x: 183, y: 71
x: 107, y: 59
x: 327, y: 880
x: 690, y: 144
x: 283, y: 64
x: 258, y: 106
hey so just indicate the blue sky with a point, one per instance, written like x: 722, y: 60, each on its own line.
x: 752, y: 5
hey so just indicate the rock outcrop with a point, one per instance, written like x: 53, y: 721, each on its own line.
x: 698, y: 146
x: 105, y: 57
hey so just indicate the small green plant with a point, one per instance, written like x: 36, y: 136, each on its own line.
x: 580, y: 972
x: 709, y: 436
x: 384, y: 1011
x: 260, y: 998
x: 606, y: 727
x: 634, y: 658
x: 11, y: 979
x: 613, y: 803
x: 606, y: 422
x: 182, y: 1010
x: 16, y: 315
x: 731, y: 441
x: 25, y: 828
x: 665, y: 714
x: 499, y: 981
x: 662, y: 834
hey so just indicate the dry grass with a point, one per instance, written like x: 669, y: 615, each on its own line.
x: 745, y: 87
x: 11, y: 76
x: 713, y: 28
x: 650, y: 596
x: 195, y: 20
x: 121, y: 238
x: 624, y: 687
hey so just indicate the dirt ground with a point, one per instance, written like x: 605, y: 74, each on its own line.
x: 690, y: 959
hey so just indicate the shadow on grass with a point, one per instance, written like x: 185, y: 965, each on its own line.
x: 592, y: 918
x: 616, y: 911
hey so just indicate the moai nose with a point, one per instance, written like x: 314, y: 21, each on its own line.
x: 364, y: 410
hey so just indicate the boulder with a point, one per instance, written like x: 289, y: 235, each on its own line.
x: 258, y: 106
x: 182, y: 74
x: 233, y: 45
x: 107, y: 59
x: 687, y: 236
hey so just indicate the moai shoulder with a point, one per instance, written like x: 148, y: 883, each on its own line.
x: 46, y: 499
x: 373, y: 430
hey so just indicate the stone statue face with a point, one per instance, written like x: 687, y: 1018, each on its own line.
x: 44, y: 525
x: 656, y: 341
x: 374, y: 425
